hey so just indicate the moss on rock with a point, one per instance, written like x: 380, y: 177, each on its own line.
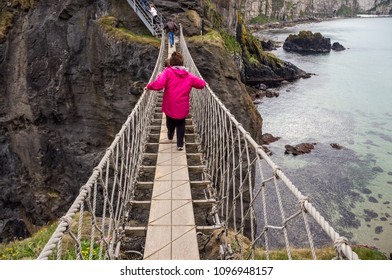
x: 6, y: 21
x: 212, y: 14
x: 8, y: 13
x: 113, y: 27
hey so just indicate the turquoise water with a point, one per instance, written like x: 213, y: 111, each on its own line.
x: 347, y: 101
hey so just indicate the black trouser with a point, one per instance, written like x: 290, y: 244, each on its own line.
x: 176, y: 124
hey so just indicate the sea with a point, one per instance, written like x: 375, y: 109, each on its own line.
x: 347, y: 101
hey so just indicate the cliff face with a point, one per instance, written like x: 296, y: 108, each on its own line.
x: 66, y: 87
x: 294, y: 9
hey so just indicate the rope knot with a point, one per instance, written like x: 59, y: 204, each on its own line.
x: 67, y: 220
x: 302, y: 202
x: 99, y: 169
x: 86, y: 188
x: 276, y: 169
x: 338, y: 244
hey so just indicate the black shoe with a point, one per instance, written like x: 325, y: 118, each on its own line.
x: 180, y: 148
x: 170, y: 137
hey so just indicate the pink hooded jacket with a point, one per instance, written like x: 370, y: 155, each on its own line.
x: 177, y: 82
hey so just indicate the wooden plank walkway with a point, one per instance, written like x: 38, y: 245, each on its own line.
x: 171, y: 230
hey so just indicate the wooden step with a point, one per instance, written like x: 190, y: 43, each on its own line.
x: 204, y: 202
x: 135, y: 231
x: 208, y: 229
x: 146, y: 204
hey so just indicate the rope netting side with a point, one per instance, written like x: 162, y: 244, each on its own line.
x: 256, y: 199
x: 100, y: 209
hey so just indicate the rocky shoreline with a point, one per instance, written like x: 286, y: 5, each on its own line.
x: 263, y: 91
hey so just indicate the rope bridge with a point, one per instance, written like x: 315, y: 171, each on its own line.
x: 257, y: 204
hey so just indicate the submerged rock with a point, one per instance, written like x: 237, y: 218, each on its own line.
x: 299, y: 149
x: 377, y: 169
x: 336, y: 146
x: 369, y: 215
x: 378, y: 229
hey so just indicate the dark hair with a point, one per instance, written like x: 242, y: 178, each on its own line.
x: 166, y: 62
x: 176, y: 59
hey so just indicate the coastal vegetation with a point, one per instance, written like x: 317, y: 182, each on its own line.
x: 6, y: 20
x: 345, y: 11
x: 243, y: 41
x: 8, y: 14
x: 262, y: 19
x: 114, y: 28
x: 212, y: 14
x: 30, y: 248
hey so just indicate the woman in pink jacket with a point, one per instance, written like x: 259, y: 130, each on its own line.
x: 177, y: 82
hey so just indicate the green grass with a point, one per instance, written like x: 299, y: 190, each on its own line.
x: 231, y: 43
x: 262, y: 19
x: 325, y: 253
x: 28, y: 248
x: 111, y: 27
x: 366, y: 253
x: 344, y: 11
x: 211, y: 38
x: 31, y: 247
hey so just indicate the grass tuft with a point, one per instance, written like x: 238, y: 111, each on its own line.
x: 112, y: 27
x: 6, y: 21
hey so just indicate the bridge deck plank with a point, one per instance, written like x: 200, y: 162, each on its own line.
x: 171, y: 231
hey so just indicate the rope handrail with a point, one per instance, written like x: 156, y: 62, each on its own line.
x: 112, y: 184
x: 236, y: 162
x: 255, y: 198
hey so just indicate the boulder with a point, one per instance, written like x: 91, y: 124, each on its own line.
x: 337, y: 47
x: 307, y: 42
x: 11, y: 229
x: 268, y: 45
x: 267, y: 138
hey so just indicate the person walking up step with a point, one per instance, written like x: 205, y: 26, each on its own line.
x: 171, y: 28
x: 154, y: 14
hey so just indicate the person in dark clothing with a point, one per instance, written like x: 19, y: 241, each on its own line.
x: 145, y: 5
x: 171, y: 28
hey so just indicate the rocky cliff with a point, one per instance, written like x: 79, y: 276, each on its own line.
x: 294, y: 9
x: 66, y: 86
x: 69, y: 78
